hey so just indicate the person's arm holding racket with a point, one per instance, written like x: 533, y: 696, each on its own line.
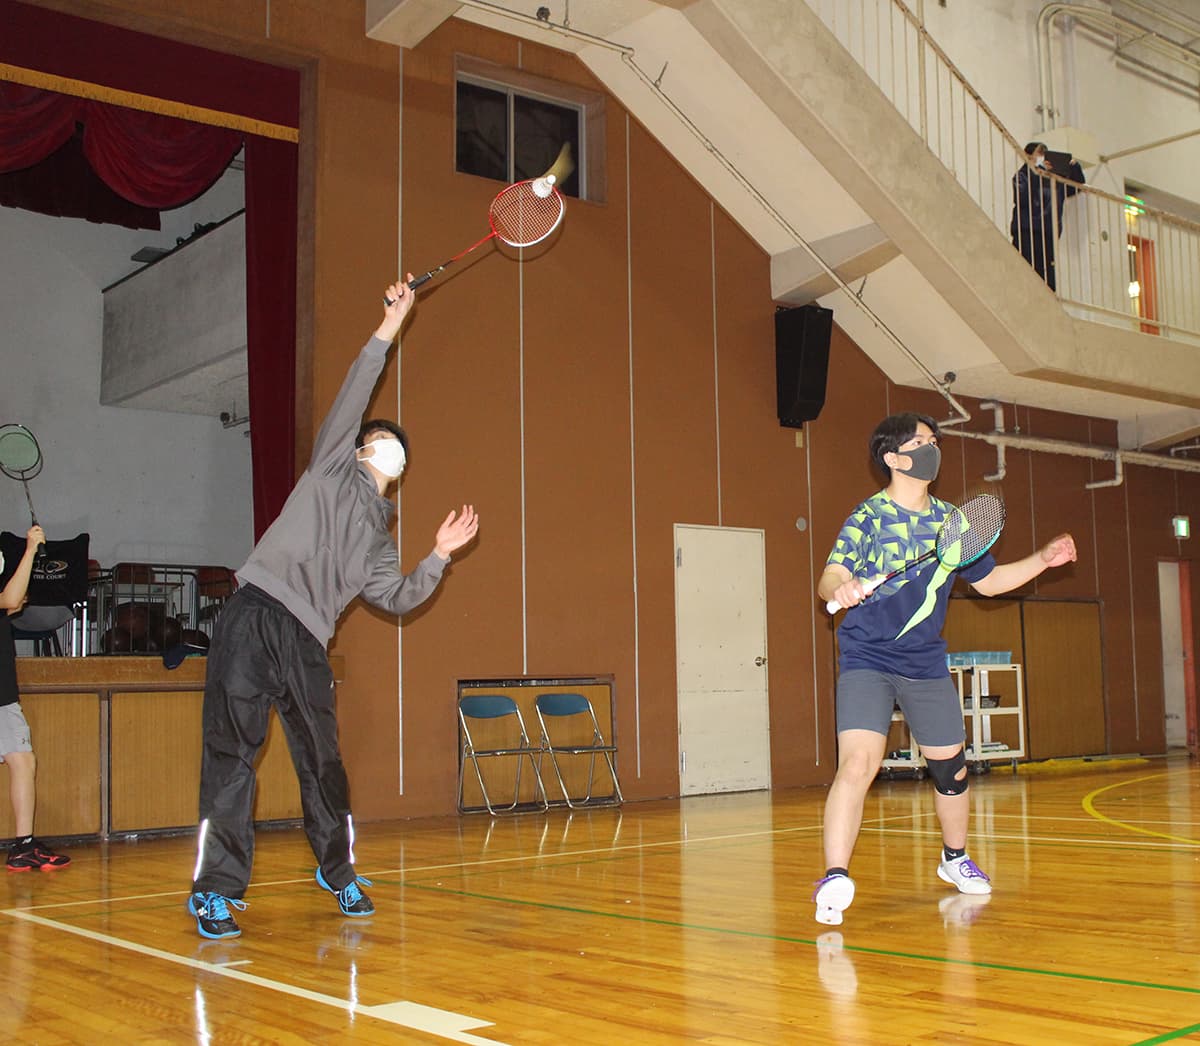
x: 336, y: 435
x: 12, y: 597
x: 838, y: 585
x: 1007, y: 576
x: 398, y: 299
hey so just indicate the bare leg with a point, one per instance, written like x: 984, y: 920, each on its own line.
x: 860, y: 754
x: 953, y: 811
x: 21, y: 769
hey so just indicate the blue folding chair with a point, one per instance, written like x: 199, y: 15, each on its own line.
x: 571, y: 742
x: 514, y: 744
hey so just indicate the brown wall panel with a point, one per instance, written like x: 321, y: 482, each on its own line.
x: 64, y: 730
x: 1064, y: 683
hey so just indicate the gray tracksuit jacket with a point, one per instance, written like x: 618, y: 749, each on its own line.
x: 330, y: 542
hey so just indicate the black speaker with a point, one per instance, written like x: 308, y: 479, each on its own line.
x: 801, y: 362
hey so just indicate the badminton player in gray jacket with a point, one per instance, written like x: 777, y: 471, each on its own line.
x: 330, y: 543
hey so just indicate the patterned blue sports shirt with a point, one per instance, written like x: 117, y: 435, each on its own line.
x: 898, y: 628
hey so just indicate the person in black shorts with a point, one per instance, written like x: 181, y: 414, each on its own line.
x: 16, y: 751
x: 891, y: 652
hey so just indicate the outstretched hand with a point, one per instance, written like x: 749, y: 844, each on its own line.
x: 457, y: 529
x: 398, y: 299
x: 1059, y: 551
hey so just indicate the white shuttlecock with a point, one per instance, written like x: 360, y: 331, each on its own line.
x: 543, y: 187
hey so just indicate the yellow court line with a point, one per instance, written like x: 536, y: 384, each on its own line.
x: 1089, y: 806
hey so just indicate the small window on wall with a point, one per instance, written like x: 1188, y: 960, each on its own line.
x: 510, y: 126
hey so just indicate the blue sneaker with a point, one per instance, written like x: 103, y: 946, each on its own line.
x: 213, y: 918
x: 350, y: 898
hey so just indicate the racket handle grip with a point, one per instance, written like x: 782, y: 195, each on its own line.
x: 416, y: 281
x: 833, y: 606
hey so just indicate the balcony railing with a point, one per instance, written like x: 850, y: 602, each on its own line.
x: 1117, y: 260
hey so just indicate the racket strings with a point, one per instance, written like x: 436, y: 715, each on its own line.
x: 970, y: 530
x: 521, y: 218
x: 19, y: 453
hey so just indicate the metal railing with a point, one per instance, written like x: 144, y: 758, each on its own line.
x: 1117, y: 261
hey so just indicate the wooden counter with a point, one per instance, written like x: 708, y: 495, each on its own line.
x: 118, y: 744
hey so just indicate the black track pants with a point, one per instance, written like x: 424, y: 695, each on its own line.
x: 262, y: 656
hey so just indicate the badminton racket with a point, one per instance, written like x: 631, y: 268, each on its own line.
x: 966, y: 533
x: 521, y: 215
x: 21, y: 458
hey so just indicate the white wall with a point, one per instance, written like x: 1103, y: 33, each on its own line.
x: 148, y: 486
x: 994, y: 44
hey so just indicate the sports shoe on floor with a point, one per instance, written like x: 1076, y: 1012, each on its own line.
x: 34, y: 855
x: 832, y: 897
x: 965, y: 874
x: 350, y: 898
x: 213, y: 918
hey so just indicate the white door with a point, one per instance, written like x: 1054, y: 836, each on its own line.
x: 721, y: 660
x: 1172, y: 654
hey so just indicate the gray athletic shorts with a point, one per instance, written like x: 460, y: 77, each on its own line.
x: 14, y: 731
x: 865, y: 699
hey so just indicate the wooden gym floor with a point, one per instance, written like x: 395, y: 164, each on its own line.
x: 662, y: 922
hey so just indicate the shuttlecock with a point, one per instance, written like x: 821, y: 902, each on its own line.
x: 544, y: 186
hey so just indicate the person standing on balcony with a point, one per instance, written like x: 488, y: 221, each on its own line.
x: 1037, y: 208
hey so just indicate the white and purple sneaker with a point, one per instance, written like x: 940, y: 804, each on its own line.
x: 965, y: 874
x: 832, y: 897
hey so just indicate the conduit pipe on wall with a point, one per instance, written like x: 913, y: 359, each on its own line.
x: 998, y: 413
x: 1120, y: 458
x: 1096, y: 18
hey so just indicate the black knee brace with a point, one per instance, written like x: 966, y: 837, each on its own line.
x: 945, y: 773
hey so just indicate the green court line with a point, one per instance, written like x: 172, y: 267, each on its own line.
x: 887, y: 953
x: 1169, y: 1036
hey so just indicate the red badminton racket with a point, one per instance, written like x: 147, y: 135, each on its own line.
x: 521, y: 215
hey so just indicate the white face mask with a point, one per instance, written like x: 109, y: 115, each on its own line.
x: 1040, y: 162
x: 386, y: 455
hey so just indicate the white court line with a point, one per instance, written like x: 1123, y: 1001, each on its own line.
x: 442, y: 1023
x: 486, y: 863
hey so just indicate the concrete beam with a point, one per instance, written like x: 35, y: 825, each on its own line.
x: 797, y: 279
x: 799, y: 69
x: 406, y: 23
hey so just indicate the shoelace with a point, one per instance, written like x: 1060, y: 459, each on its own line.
x: 350, y: 893
x: 970, y: 870
x: 218, y: 906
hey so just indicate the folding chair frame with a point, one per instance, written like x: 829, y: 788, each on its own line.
x: 496, y: 706
x: 561, y: 706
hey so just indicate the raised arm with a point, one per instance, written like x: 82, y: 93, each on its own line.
x: 336, y: 437
x: 13, y: 595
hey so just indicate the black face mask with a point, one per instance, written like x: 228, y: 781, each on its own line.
x: 926, y: 460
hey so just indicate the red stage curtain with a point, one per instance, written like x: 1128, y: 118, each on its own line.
x: 33, y: 124
x: 271, y: 200
x: 152, y: 160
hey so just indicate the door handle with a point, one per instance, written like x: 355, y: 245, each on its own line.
x: 760, y: 661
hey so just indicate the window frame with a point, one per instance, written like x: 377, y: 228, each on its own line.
x: 589, y: 105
